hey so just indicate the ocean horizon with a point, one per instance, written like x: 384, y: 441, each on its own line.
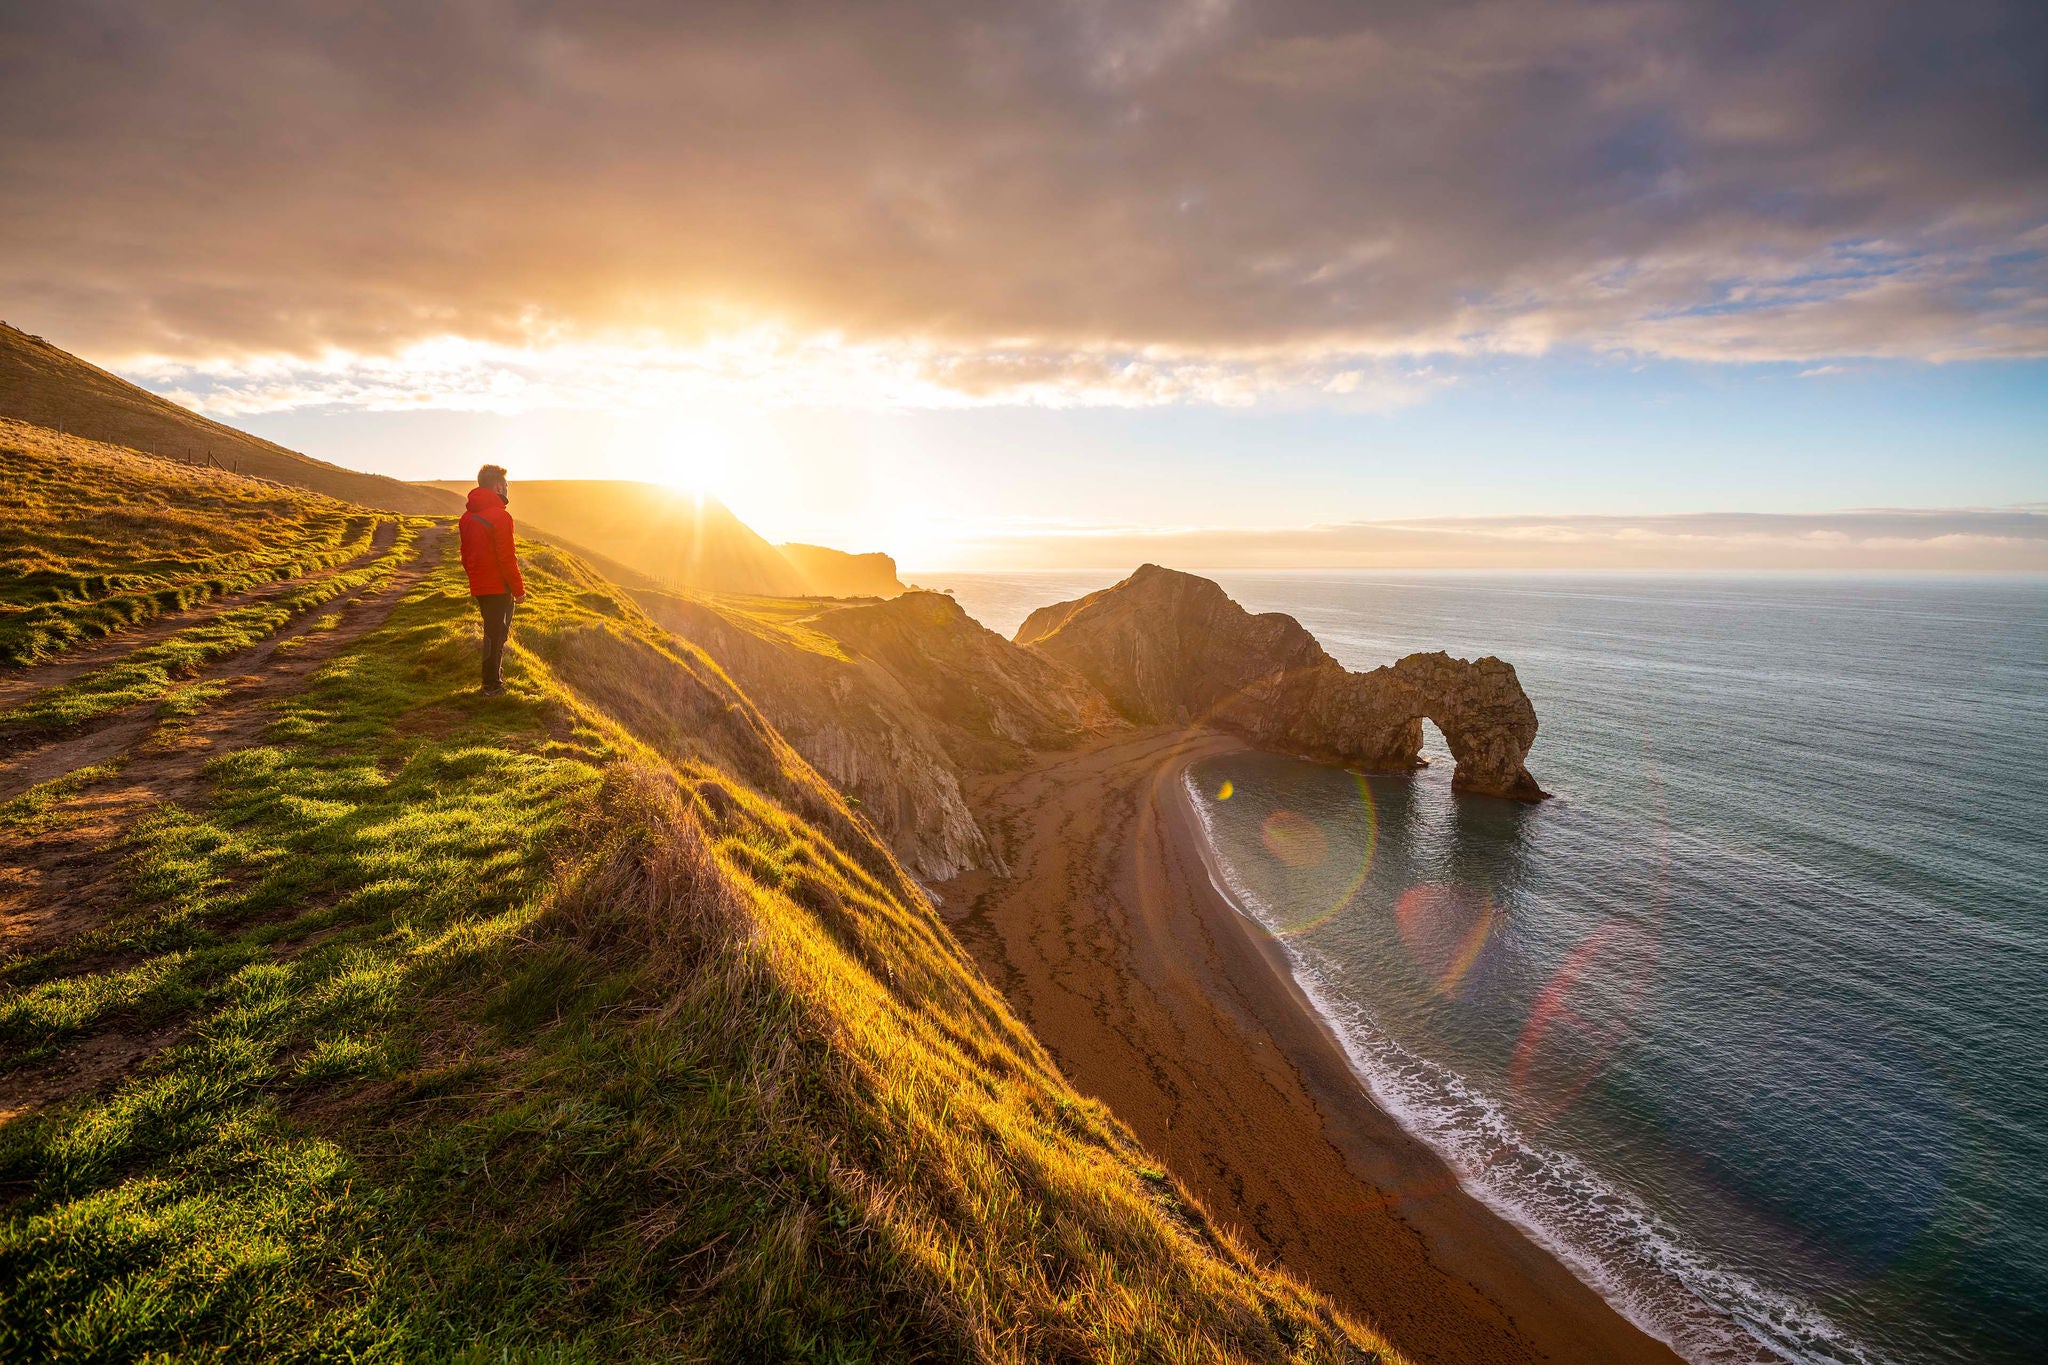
x: 1745, y: 1023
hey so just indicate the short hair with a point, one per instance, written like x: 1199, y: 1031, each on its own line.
x: 490, y: 474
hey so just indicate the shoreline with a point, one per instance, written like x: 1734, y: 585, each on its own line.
x: 1158, y: 995
x: 1193, y: 828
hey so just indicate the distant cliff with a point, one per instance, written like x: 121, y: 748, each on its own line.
x: 836, y: 573
x: 685, y: 540
x: 1170, y: 648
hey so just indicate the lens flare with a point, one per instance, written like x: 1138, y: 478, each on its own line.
x: 1582, y: 1016
x: 1320, y: 860
x: 1294, y: 839
x: 1446, y: 929
x: 1314, y: 851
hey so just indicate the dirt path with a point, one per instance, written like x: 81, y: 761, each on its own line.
x: 58, y: 884
x: 21, y: 685
x: 1155, y: 995
x: 24, y: 763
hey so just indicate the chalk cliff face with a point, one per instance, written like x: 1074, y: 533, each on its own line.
x: 1171, y: 648
x: 892, y: 701
x: 988, y: 700
x: 895, y: 702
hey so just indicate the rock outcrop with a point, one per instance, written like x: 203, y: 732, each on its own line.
x: 897, y: 701
x: 1170, y: 648
x: 835, y: 573
x: 892, y: 701
x: 989, y: 701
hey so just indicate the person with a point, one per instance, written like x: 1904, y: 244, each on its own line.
x: 493, y: 567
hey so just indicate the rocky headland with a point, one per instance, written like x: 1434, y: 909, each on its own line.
x: 1171, y: 648
x: 899, y: 702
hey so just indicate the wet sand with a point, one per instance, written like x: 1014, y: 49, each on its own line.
x: 1158, y: 997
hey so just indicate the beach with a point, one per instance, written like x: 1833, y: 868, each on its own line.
x: 1157, y: 996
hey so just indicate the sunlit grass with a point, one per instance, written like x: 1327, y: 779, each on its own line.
x: 94, y: 539
x: 153, y: 671
x: 581, y: 1023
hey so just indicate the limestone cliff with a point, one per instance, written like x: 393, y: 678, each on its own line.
x: 987, y: 699
x: 896, y: 701
x: 891, y: 701
x: 835, y: 573
x: 1170, y: 648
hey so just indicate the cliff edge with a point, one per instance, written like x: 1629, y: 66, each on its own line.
x: 1171, y: 648
x: 893, y: 702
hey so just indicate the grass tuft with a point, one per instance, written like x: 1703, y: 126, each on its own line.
x: 585, y: 1023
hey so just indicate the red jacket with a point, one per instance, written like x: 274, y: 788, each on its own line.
x: 487, y: 551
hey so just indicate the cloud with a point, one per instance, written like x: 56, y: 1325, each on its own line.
x: 767, y: 368
x: 1982, y: 540
x: 1089, y: 202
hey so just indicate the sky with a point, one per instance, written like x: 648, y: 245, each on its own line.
x: 1531, y: 283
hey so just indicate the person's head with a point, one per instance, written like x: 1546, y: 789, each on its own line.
x: 492, y: 476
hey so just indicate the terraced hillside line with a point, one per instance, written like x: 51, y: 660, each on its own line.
x: 228, y: 693
x: 96, y: 540
x: 428, y: 1026
x: 21, y: 686
x: 48, y: 387
x: 152, y: 673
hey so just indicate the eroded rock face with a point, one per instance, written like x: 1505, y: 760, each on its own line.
x: 896, y: 701
x: 892, y: 701
x: 1167, y: 647
x: 1486, y: 718
x: 989, y: 699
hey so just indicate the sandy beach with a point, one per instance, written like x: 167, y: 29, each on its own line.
x: 1156, y: 995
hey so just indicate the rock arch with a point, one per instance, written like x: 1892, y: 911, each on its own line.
x: 1167, y: 647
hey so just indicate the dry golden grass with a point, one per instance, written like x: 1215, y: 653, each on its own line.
x: 582, y: 1023
x: 94, y: 538
x: 45, y: 386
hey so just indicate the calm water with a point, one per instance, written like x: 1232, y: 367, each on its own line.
x: 1750, y: 1024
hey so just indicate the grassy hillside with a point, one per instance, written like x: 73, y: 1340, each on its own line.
x: 681, y: 540
x: 345, y: 1013
x: 49, y: 387
x: 93, y: 545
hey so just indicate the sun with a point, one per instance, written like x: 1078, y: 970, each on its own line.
x: 689, y: 451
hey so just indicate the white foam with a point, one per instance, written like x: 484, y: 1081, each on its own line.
x: 1610, y: 1239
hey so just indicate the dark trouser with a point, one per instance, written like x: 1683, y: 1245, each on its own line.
x: 497, y: 613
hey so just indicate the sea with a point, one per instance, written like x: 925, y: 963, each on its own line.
x: 1749, y: 1023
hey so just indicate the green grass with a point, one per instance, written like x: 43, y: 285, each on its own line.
x: 94, y: 539
x: 584, y: 1023
x: 39, y: 807
x: 783, y: 620
x: 155, y: 671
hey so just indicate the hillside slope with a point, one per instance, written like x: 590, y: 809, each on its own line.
x: 687, y: 541
x: 894, y: 702
x: 346, y: 1013
x: 48, y: 387
x: 103, y: 554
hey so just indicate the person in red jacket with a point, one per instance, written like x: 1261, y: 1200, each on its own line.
x: 493, y: 567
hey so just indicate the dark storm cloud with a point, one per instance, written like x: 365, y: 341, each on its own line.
x: 1047, y: 181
